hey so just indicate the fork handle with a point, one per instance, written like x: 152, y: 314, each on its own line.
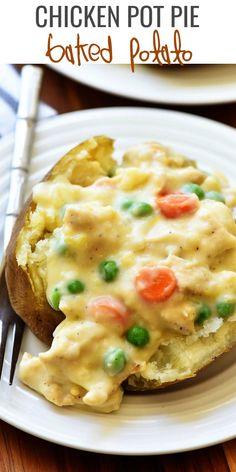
x: 26, y: 116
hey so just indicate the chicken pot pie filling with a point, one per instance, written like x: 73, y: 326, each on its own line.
x: 133, y: 259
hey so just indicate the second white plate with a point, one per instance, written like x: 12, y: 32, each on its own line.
x: 189, y: 85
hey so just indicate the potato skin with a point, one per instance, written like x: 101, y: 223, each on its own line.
x: 214, y: 346
x: 33, y: 308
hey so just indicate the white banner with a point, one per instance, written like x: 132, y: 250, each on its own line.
x: 131, y: 32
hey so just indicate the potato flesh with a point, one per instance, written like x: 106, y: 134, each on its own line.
x: 199, y: 248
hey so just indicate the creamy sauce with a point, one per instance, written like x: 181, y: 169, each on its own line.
x: 199, y: 247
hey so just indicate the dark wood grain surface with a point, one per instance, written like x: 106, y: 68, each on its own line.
x: 20, y: 452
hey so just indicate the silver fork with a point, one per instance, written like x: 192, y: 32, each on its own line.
x: 26, y: 117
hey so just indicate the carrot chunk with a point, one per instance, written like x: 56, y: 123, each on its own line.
x: 107, y: 309
x: 155, y: 284
x: 174, y: 205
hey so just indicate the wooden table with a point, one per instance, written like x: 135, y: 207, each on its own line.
x: 20, y: 452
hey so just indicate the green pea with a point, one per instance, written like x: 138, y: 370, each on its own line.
x: 111, y: 173
x: 114, y: 361
x: 63, y: 210
x: 225, y: 309
x: 127, y: 204
x: 141, y: 209
x: 194, y: 188
x: 204, y: 312
x: 218, y: 197
x: 75, y: 286
x: 138, y: 336
x: 55, y: 299
x: 109, y: 270
x: 60, y: 246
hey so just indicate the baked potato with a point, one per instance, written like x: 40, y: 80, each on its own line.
x: 131, y: 266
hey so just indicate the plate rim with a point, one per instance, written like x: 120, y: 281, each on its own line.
x: 109, y: 452
x: 111, y: 91
x: 47, y: 123
x: 130, y: 109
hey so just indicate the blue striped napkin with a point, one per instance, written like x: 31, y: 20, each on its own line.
x: 9, y: 94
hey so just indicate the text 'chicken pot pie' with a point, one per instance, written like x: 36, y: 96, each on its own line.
x: 135, y: 267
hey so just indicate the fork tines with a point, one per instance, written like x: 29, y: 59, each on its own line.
x: 9, y: 318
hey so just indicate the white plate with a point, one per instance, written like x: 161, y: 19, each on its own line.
x: 189, y: 85
x: 195, y: 414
